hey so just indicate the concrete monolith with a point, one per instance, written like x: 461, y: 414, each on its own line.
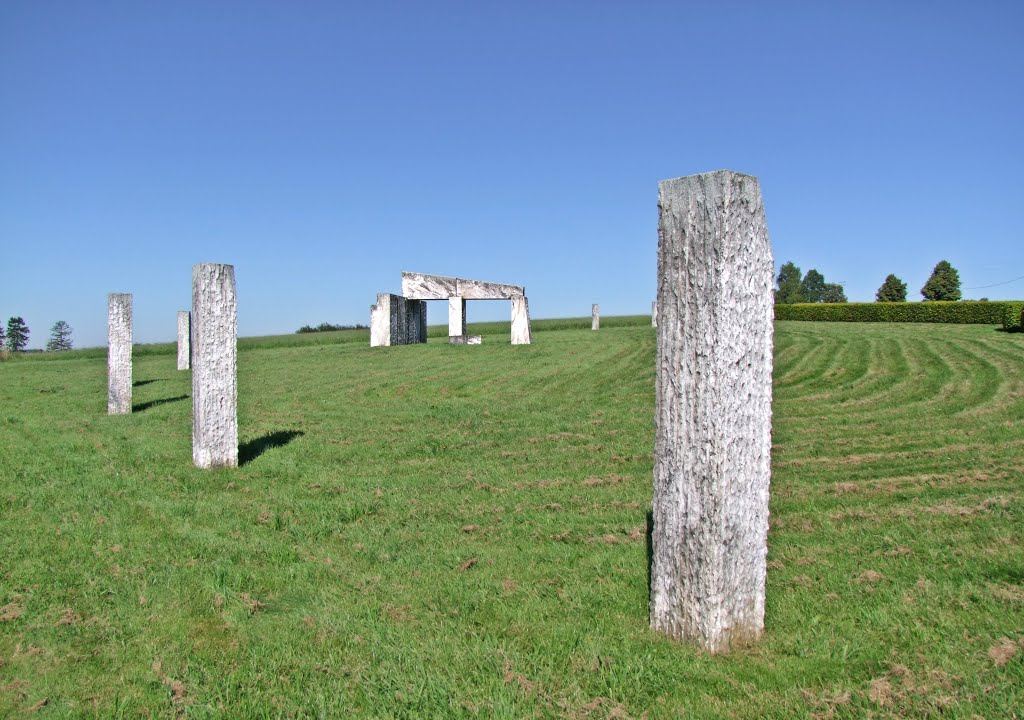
x: 654, y: 313
x: 713, y: 385
x: 522, y: 333
x: 184, y: 339
x: 214, y: 366
x: 119, y: 353
x: 456, y: 316
x: 595, y: 317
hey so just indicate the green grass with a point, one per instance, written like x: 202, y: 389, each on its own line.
x: 436, y: 531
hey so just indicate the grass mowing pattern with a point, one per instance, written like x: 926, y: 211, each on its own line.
x: 438, y: 531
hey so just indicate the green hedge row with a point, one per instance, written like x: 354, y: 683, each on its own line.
x: 1009, y: 314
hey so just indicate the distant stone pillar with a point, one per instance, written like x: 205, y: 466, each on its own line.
x: 654, y: 313
x: 456, y: 316
x: 214, y: 371
x: 595, y: 317
x: 380, y: 321
x: 119, y: 353
x: 184, y: 339
x: 713, y: 392
x: 522, y: 333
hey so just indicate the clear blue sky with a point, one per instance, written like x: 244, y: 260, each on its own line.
x: 322, y: 148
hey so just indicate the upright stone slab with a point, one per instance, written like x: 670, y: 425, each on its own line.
x: 119, y: 353
x: 595, y: 317
x: 456, y: 316
x: 654, y: 313
x: 395, y: 320
x: 214, y: 371
x: 713, y: 385
x: 522, y: 333
x: 184, y: 339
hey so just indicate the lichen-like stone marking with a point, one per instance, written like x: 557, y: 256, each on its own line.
x: 712, y: 460
x: 456, y: 316
x: 215, y: 366
x: 119, y: 353
x: 465, y: 339
x: 595, y: 317
x: 522, y: 332
x: 184, y: 339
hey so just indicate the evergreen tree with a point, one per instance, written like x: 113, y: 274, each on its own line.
x: 17, y: 334
x: 60, y: 337
x: 833, y: 293
x: 944, y: 284
x: 812, y: 287
x: 892, y: 290
x: 788, y: 291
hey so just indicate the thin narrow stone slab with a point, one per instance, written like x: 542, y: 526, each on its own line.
x: 119, y: 353
x: 184, y: 339
x: 654, y: 313
x: 522, y: 332
x: 215, y: 366
x: 465, y: 339
x: 713, y: 391
x: 456, y: 316
x: 595, y: 317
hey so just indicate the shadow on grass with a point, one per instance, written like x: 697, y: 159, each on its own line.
x: 140, y: 383
x: 1010, y: 330
x: 249, y: 451
x: 650, y: 552
x: 142, y: 407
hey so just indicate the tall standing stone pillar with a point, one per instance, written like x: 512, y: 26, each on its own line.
x: 456, y: 316
x: 214, y: 371
x: 654, y: 313
x: 522, y: 333
x: 595, y: 317
x: 184, y: 339
x: 713, y: 385
x: 119, y: 353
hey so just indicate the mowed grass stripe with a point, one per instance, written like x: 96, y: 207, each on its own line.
x: 461, y: 532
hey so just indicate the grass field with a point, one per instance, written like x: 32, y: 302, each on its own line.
x: 435, y: 531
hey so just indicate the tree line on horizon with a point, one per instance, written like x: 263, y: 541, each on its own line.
x: 792, y: 288
x: 15, y: 338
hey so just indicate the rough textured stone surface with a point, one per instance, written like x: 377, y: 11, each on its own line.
x: 456, y: 316
x: 595, y: 317
x: 395, y: 320
x: 119, y: 353
x: 712, y: 461
x: 215, y: 366
x: 522, y: 332
x: 465, y: 339
x: 419, y: 286
x: 654, y: 313
x: 184, y: 339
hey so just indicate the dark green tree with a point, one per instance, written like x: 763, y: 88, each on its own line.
x: 812, y: 287
x: 788, y: 291
x: 17, y: 334
x: 60, y: 337
x: 833, y: 293
x: 944, y: 284
x: 892, y: 290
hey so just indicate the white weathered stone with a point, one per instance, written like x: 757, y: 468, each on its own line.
x: 456, y: 316
x: 465, y: 339
x: 184, y: 339
x: 215, y: 366
x: 395, y: 320
x: 595, y: 317
x: 654, y: 313
x: 522, y: 332
x: 119, y: 353
x: 419, y: 286
x: 712, y: 457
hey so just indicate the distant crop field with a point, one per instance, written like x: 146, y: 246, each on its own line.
x: 436, y: 531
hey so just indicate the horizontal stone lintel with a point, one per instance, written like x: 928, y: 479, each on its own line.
x: 419, y: 286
